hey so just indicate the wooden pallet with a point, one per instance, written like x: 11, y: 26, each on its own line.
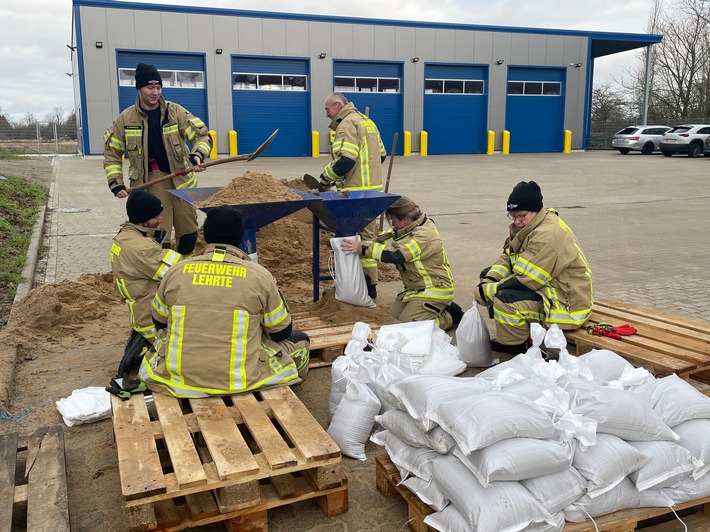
x: 185, y: 463
x: 387, y: 479
x: 33, y: 482
x: 327, y: 341
x: 663, y: 343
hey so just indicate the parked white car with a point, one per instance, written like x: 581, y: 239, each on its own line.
x: 645, y: 139
x: 688, y: 138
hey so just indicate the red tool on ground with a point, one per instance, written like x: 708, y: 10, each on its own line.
x: 607, y: 329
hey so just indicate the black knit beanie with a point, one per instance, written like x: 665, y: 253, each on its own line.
x: 223, y: 225
x: 141, y: 206
x: 526, y: 196
x: 147, y: 75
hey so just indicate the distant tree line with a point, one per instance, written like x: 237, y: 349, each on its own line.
x: 679, y: 82
x: 26, y: 128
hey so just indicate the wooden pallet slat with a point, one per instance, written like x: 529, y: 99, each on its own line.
x: 137, y: 451
x: 8, y: 458
x: 178, y: 439
x: 229, y: 451
x: 271, y: 443
x: 305, y: 432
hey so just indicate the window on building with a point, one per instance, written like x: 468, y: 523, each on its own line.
x: 534, y: 88
x: 279, y: 82
x: 365, y: 84
x: 453, y: 86
x: 191, y: 79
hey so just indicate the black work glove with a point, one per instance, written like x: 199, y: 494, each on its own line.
x: 193, y: 159
x: 117, y: 189
x: 511, y: 296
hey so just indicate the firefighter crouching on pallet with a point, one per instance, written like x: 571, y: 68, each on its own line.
x: 153, y: 133
x: 223, y: 326
x: 542, y: 275
x: 415, y: 247
x: 139, y: 263
x: 357, y: 155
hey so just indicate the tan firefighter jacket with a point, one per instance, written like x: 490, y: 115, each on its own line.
x: 218, y: 307
x: 546, y: 257
x: 425, y: 273
x: 139, y: 263
x: 129, y: 135
x: 357, y: 138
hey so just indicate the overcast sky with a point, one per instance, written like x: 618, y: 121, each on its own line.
x: 34, y: 57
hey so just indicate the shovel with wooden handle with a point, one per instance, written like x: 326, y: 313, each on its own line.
x: 246, y: 157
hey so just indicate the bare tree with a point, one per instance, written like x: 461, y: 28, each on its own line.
x: 56, y: 116
x: 29, y: 119
x: 609, y: 104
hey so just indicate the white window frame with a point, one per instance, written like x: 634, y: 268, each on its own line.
x: 127, y: 78
x: 355, y: 87
x: 463, y: 93
x: 557, y: 83
x: 259, y: 85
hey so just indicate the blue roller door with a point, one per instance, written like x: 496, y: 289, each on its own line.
x: 456, y: 108
x: 535, y: 109
x: 191, y: 95
x: 269, y: 94
x: 377, y: 86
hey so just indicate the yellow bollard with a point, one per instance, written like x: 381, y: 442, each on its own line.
x: 424, y: 143
x: 506, y: 142
x: 407, y: 143
x: 491, y: 142
x: 568, y: 142
x: 315, y: 144
x: 233, y: 143
x: 213, y: 151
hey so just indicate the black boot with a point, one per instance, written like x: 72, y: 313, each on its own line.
x: 514, y: 349
x: 456, y: 312
x: 371, y: 288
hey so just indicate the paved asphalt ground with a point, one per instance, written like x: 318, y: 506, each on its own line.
x: 641, y: 220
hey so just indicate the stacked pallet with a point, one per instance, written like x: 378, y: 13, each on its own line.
x: 186, y: 463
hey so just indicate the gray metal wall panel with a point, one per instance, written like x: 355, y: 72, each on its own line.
x: 519, y: 48
x: 297, y: 38
x: 483, y: 47
x: 249, y: 36
x: 385, y: 46
x: 200, y: 36
x: 175, y: 31
x: 464, y: 46
x: 145, y: 24
x: 320, y: 40
x: 219, y: 79
x: 274, y: 37
x: 365, y: 41
x: 445, y: 45
x: 343, y: 36
x: 537, y: 50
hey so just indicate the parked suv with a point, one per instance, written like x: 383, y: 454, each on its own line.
x: 639, y: 138
x: 688, y: 138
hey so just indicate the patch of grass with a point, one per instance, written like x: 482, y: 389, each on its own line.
x: 9, y: 154
x: 20, y: 202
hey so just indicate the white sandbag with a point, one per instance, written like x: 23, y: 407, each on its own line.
x: 607, y: 463
x: 440, y: 440
x: 531, y: 388
x: 604, y: 364
x: 473, y: 340
x: 353, y: 420
x: 417, y: 461
x: 85, y: 405
x: 418, y: 334
x: 623, y: 496
x: 476, y: 421
x: 419, y: 394
x: 688, y: 490
x: 350, y: 286
x: 675, y: 400
x: 339, y: 379
x: 624, y: 414
x: 556, y: 524
x: 558, y: 490
x: 574, y: 366
x: 448, y: 520
x: 427, y: 492
x: 403, y: 427
x: 501, y: 507
x: 670, y: 463
x: 517, y: 459
x: 694, y: 436
x: 522, y: 367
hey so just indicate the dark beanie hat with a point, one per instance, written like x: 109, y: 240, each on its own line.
x: 147, y: 75
x: 223, y: 225
x: 526, y: 196
x: 141, y: 206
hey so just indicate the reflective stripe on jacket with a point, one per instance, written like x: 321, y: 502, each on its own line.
x: 139, y: 263
x: 425, y: 273
x: 128, y: 135
x: 219, y: 308
x: 546, y: 257
x: 357, y: 138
